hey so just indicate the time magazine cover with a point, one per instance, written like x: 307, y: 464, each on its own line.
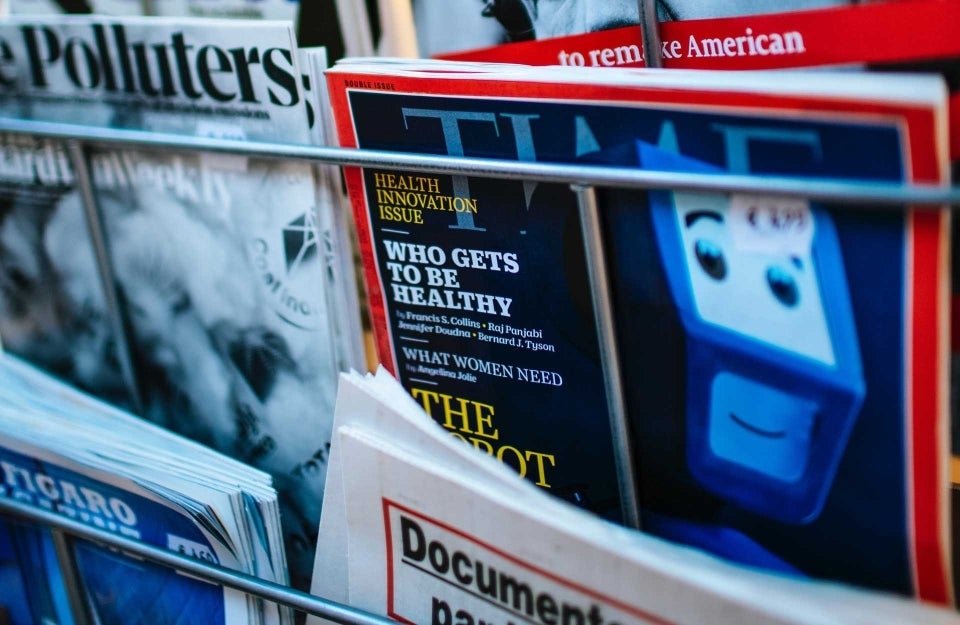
x: 480, y: 301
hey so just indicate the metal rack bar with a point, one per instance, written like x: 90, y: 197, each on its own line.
x: 609, y: 354
x: 63, y: 546
x: 212, y: 573
x: 98, y: 239
x: 874, y: 194
x: 650, y: 33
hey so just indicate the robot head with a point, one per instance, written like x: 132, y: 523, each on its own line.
x: 765, y: 295
x: 773, y: 380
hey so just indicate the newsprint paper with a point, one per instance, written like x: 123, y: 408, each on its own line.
x: 435, y: 534
x: 216, y: 261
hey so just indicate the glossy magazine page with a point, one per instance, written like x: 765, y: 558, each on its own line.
x: 890, y: 35
x: 230, y: 327
x: 443, y: 282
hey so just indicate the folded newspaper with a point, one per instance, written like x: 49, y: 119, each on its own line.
x: 65, y: 452
x: 434, y: 533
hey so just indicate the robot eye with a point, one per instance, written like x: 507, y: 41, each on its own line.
x: 710, y: 257
x: 783, y: 286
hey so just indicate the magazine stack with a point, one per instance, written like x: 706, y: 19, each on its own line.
x: 65, y: 452
x: 423, y: 530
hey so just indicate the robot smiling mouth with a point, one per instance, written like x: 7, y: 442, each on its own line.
x: 761, y: 428
x: 756, y: 429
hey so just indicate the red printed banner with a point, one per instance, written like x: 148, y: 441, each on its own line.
x: 885, y: 32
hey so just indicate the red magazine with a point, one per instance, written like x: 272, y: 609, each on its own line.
x: 480, y: 303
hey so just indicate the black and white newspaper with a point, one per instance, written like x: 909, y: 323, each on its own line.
x: 217, y: 262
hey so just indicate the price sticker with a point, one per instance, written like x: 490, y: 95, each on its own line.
x: 770, y: 224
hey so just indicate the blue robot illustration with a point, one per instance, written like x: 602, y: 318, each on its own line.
x: 773, y: 376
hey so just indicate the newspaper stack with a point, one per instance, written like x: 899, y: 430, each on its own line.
x: 220, y: 314
x: 420, y: 528
x: 65, y: 452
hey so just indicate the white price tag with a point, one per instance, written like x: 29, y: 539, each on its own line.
x: 770, y: 224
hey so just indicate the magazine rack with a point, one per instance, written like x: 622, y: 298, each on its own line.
x: 583, y: 179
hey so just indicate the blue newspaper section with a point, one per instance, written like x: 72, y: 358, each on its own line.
x: 119, y: 589
x: 33, y: 591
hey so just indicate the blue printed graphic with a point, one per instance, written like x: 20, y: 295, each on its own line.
x: 125, y: 590
x: 774, y: 380
x: 776, y: 441
x: 32, y: 589
x: 120, y: 589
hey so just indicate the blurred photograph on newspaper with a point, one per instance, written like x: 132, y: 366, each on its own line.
x: 53, y: 307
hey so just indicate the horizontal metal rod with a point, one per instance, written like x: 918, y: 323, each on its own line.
x: 876, y: 194
x: 277, y: 593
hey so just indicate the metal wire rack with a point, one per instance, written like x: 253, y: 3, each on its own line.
x: 583, y: 179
